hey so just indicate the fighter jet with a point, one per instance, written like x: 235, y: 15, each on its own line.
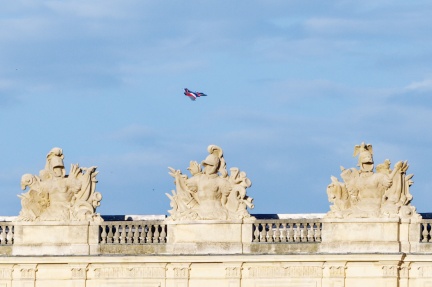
x: 193, y: 95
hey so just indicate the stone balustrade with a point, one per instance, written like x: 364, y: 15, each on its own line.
x: 133, y: 232
x: 6, y: 233
x: 263, y: 231
x: 287, y: 230
x: 425, y: 231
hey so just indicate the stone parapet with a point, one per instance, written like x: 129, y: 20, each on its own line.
x: 55, y: 238
x: 251, y: 236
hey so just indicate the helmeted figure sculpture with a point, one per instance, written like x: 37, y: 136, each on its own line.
x: 55, y: 196
x: 210, y: 193
x: 365, y: 193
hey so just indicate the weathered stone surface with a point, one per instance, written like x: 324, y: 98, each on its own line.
x: 206, y: 237
x: 55, y: 238
x: 55, y: 196
x: 339, y: 270
x: 368, y: 194
x: 371, y: 237
x: 211, y: 193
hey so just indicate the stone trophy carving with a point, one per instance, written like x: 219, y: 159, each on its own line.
x: 55, y: 196
x: 210, y: 193
x: 365, y: 193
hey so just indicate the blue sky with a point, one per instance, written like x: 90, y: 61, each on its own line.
x: 292, y: 87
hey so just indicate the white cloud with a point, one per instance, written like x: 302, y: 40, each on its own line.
x: 421, y: 86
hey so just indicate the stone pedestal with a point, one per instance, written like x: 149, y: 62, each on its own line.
x: 55, y: 238
x: 208, y: 237
x: 361, y: 235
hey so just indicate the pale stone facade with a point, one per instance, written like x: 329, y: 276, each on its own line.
x: 371, y: 236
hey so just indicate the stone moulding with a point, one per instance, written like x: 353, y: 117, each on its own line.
x: 337, y: 270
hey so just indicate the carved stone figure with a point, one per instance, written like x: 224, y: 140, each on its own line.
x: 365, y: 193
x: 211, y: 193
x: 55, y: 196
x: 338, y: 195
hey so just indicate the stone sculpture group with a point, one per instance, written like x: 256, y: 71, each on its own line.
x: 55, y: 196
x: 211, y: 193
x: 365, y: 193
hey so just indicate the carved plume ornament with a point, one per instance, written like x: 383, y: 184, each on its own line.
x: 55, y: 196
x: 210, y: 193
x: 365, y: 193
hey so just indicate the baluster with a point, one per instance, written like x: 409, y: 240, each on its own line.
x: 129, y: 233
x: 9, y: 237
x: 163, y: 233
x: 142, y: 237
x: 116, y: 235
x: 277, y: 233
x: 318, y: 232
x: 259, y: 228
x: 123, y: 234
x: 429, y: 229
x: 110, y: 235
x: 255, y: 227
x: 144, y: 231
x: 425, y: 233
x: 135, y: 233
x: 294, y: 232
x: 103, y: 234
x: 284, y: 233
x: 303, y: 232
x: 291, y: 232
x: 297, y: 232
x: 262, y: 236
x: 149, y: 234
x: 2, y: 235
x: 120, y: 233
x: 310, y: 232
x: 270, y: 232
x: 156, y: 234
